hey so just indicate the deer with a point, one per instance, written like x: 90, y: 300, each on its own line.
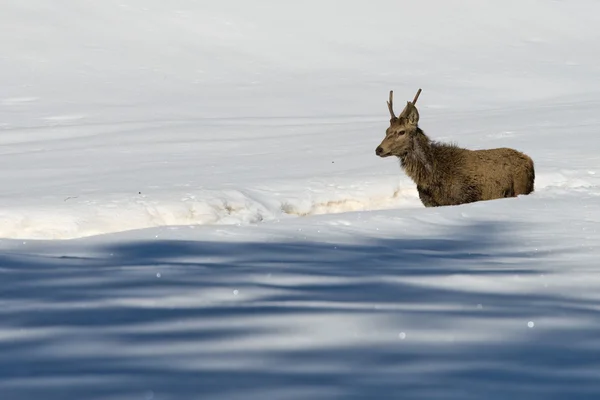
x: 448, y: 175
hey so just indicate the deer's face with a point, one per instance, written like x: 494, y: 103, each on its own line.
x: 398, y: 135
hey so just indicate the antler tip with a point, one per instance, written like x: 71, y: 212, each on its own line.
x: 390, y: 104
x: 416, y: 96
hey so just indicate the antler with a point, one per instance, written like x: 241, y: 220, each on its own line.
x: 390, y: 104
x: 408, y: 104
x: 416, y: 96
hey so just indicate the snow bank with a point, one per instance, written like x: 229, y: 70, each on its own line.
x: 76, y: 218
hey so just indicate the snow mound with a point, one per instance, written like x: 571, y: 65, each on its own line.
x: 80, y: 218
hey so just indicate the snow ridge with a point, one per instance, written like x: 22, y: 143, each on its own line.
x: 78, y: 217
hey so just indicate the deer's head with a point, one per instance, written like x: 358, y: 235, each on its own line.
x: 402, y: 128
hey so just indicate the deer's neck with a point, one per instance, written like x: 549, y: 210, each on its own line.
x: 418, y: 162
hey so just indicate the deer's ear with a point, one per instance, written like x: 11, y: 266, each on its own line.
x: 412, y: 115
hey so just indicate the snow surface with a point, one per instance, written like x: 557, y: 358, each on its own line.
x: 191, y: 205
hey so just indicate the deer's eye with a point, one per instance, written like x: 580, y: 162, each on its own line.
x: 400, y: 133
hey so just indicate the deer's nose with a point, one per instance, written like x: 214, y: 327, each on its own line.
x: 379, y: 150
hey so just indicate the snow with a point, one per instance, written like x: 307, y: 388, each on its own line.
x: 191, y: 204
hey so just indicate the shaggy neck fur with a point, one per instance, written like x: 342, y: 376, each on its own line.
x: 419, y: 162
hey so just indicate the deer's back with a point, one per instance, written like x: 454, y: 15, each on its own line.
x: 474, y: 175
x: 500, y: 172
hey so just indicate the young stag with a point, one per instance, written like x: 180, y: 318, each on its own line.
x: 446, y: 174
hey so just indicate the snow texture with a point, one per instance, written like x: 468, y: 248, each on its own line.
x: 192, y: 208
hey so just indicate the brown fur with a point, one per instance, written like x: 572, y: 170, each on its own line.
x: 449, y: 175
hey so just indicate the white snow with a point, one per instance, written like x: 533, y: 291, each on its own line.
x: 191, y: 206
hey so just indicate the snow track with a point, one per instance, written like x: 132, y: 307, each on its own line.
x: 80, y: 217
